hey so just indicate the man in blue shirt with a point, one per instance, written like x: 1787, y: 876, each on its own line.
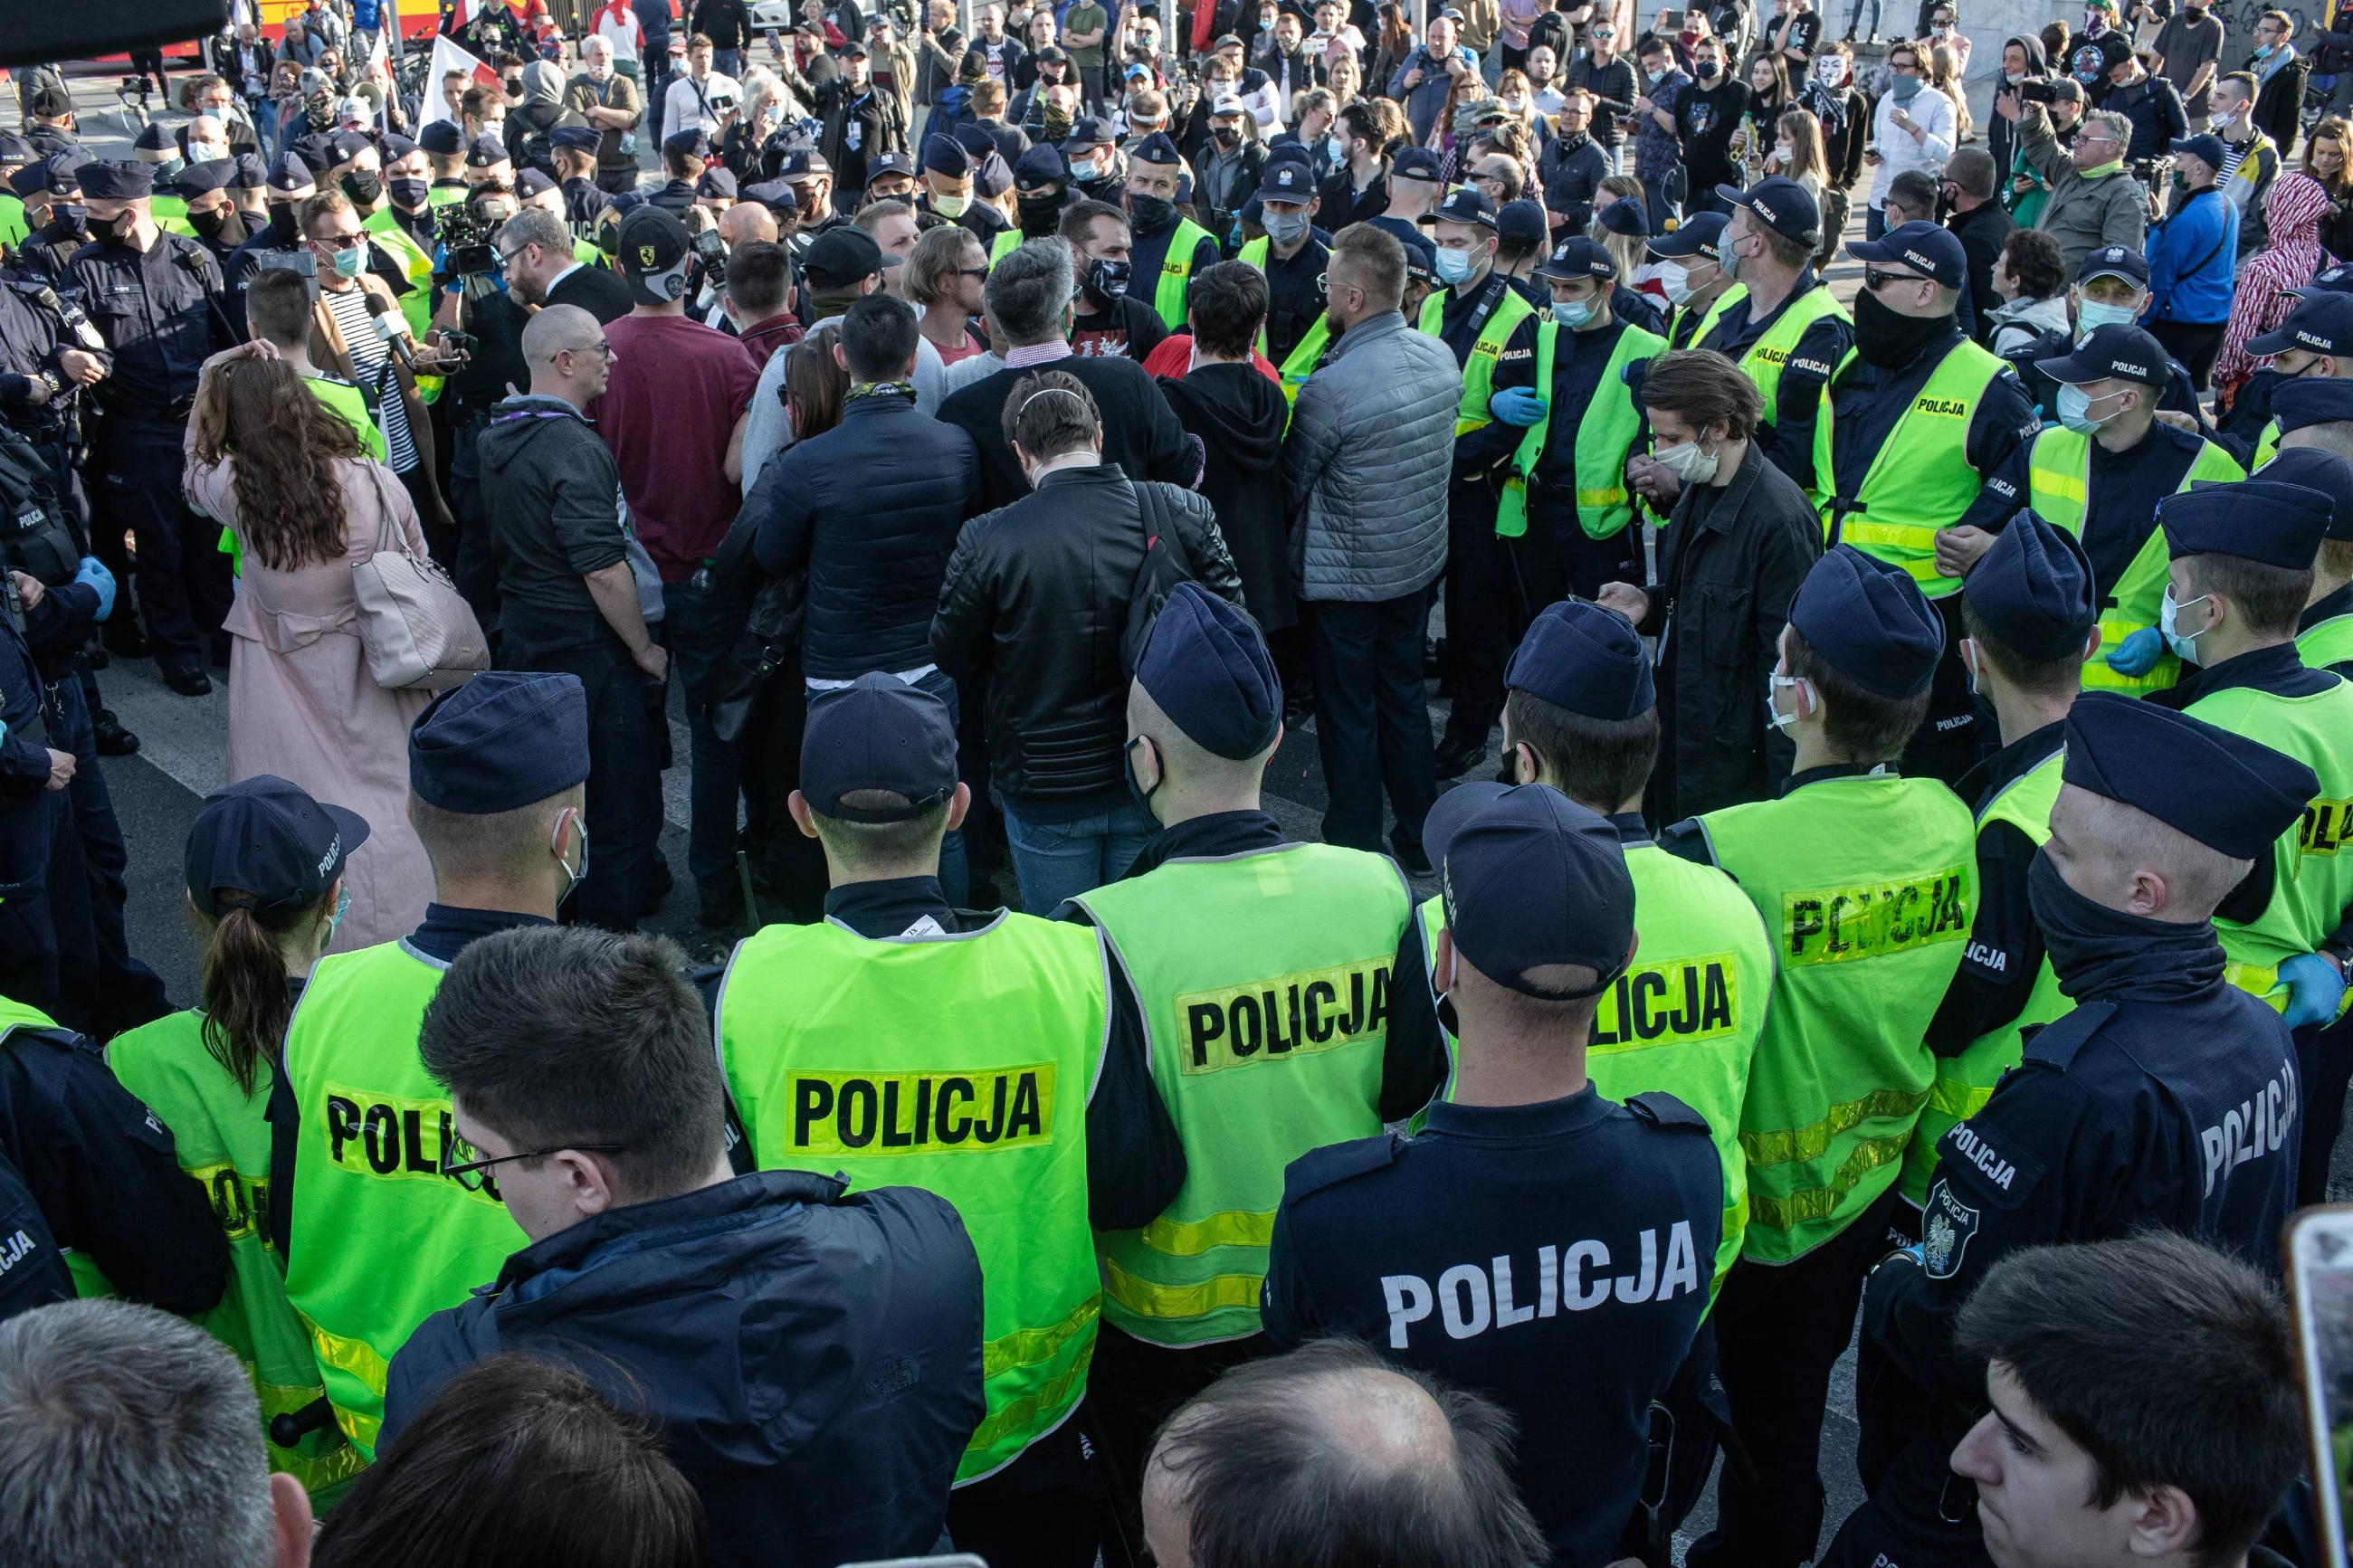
x: 2192, y: 255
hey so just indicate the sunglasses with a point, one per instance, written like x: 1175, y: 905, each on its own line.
x: 1875, y: 279
x: 339, y: 241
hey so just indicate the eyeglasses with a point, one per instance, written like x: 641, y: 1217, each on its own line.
x: 1875, y: 279
x: 603, y: 350
x: 473, y: 1173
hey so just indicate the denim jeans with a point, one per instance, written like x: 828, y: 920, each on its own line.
x: 698, y: 626
x: 955, y: 870
x: 1854, y: 18
x: 1056, y: 861
x: 1874, y: 223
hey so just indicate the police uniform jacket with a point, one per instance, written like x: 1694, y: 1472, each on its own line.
x: 1789, y: 441
x: 84, y: 1166
x: 1461, y: 319
x: 2005, y: 952
x: 161, y: 313
x: 2122, y: 490
x: 836, y: 1371
x: 1555, y: 1257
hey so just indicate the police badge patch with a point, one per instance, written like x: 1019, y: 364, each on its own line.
x: 1946, y: 1227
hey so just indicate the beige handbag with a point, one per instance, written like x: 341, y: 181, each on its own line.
x: 416, y: 628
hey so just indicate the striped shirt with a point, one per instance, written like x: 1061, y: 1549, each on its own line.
x: 371, y: 366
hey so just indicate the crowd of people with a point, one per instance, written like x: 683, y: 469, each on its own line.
x: 1881, y: 853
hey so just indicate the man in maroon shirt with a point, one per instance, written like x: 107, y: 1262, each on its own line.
x: 673, y: 415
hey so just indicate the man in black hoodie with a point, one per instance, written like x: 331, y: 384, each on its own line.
x: 568, y: 598
x: 2023, y: 61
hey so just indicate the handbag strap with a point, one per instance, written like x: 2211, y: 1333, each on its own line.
x: 388, y: 535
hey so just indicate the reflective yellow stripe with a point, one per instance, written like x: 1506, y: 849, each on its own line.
x: 1025, y: 1411
x: 1957, y: 1098
x: 359, y: 1358
x: 1812, y: 1143
x: 1820, y: 1203
x: 1190, y: 1238
x: 1147, y: 1299
x: 2067, y: 487
x: 337, y: 1464
x: 1028, y: 1347
x: 1905, y: 535
x: 1614, y: 496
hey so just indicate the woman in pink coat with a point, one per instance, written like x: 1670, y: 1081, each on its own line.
x: 271, y: 462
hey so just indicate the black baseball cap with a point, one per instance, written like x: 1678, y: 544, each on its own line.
x: 1465, y: 204
x: 1700, y: 236
x: 1926, y: 248
x: 877, y: 733
x: 1417, y: 163
x: 2118, y: 352
x: 1781, y: 204
x: 1577, y: 256
x: 2113, y: 261
x: 840, y: 257
x: 1530, y: 879
x: 651, y: 246
x: 266, y: 836
x: 2321, y: 323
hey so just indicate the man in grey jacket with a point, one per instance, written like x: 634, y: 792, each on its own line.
x: 1363, y: 476
x: 2094, y: 201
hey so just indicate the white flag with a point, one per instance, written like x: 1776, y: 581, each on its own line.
x: 446, y: 57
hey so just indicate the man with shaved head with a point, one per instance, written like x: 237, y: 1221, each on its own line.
x: 567, y: 599
x: 1330, y: 1455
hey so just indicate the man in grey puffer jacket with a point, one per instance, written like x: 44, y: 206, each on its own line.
x: 1364, y: 479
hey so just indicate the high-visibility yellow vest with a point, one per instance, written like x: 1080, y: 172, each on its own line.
x: 1606, y: 429
x: 1300, y: 361
x: 1177, y: 272
x: 1919, y: 482
x: 1479, y: 365
x: 2059, y: 477
x: 378, y: 1239
x: 1006, y: 242
x: 1262, y: 980
x: 223, y: 1140
x: 2326, y: 643
x: 1765, y: 358
x: 1965, y: 1082
x: 960, y: 1063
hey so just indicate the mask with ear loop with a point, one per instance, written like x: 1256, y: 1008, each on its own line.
x: 1774, y: 717
x: 555, y: 846
x: 1127, y: 765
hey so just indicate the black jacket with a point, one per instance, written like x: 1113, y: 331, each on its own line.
x: 871, y: 509
x: 1570, y: 170
x: 1037, y: 596
x: 1140, y: 432
x: 2279, y: 102
x: 1982, y: 232
x: 550, y: 496
x: 814, y: 1359
x: 1727, y: 578
x: 1238, y: 415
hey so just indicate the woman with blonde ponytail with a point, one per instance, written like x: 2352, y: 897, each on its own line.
x: 264, y: 871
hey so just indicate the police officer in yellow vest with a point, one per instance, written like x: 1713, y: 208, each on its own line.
x: 1261, y: 969
x: 1039, y: 180
x: 1777, y: 322
x: 975, y: 1054
x: 408, y: 188
x: 2029, y: 612
x: 1913, y: 422
x: 1867, y: 881
x: 2241, y: 572
x: 158, y: 149
x: 1564, y: 509
x: 2100, y: 474
x: 375, y: 1238
x: 1690, y: 269
x: 1168, y: 247
x: 1582, y: 716
x: 2324, y: 632
x: 1293, y: 254
x: 444, y: 146
x: 2314, y: 344
x: 1488, y: 323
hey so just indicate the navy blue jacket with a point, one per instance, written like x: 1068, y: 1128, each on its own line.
x: 814, y: 1359
x: 871, y: 509
x: 1554, y: 1257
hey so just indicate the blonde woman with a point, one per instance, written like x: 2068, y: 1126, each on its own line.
x: 1944, y: 67
x: 1623, y: 230
x: 1519, y: 99
x: 1796, y: 153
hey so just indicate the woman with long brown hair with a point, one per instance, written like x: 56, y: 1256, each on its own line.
x: 2328, y: 152
x: 278, y: 468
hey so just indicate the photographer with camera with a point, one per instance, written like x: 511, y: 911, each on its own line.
x: 483, y: 325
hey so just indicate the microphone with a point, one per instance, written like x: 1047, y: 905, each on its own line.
x: 392, y: 329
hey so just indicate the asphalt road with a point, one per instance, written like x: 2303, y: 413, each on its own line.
x: 157, y: 791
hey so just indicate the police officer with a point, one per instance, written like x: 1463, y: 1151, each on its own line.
x: 374, y: 1237
x: 1778, y: 321
x: 2324, y: 632
x: 1260, y: 969
x: 2241, y: 572
x: 2123, y: 1114
x: 975, y: 1055
x: 1914, y: 421
x: 1867, y: 881
x: 2111, y: 289
x: 51, y: 191
x: 156, y: 299
x: 408, y: 188
x: 444, y: 146
x: 2315, y: 343
x: 92, y: 1198
x: 1566, y: 482
x: 2100, y: 474
x: 1488, y: 323
x: 159, y: 149
x: 278, y: 242
x: 946, y: 190
x: 211, y: 212
x: 575, y: 150
x: 1582, y: 716
x: 1691, y: 271
x: 1292, y: 254
x: 2028, y: 613
x: 264, y: 847
x: 1041, y: 181
x: 1167, y: 248
x: 1538, y: 1242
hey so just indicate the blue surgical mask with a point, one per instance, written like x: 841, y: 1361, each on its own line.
x: 2169, y: 622
x: 343, y: 907
x: 351, y: 263
x: 2090, y: 314
x: 1454, y: 265
x: 1572, y: 313
x: 2075, y: 410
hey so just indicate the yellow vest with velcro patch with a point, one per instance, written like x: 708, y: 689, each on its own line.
x: 1919, y: 482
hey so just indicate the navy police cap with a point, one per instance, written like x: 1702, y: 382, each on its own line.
x: 504, y: 739
x: 2258, y: 520
x: 2234, y: 795
x: 1580, y: 657
x: 877, y: 733
x: 1531, y: 880
x: 1870, y: 622
x: 1208, y: 668
x: 265, y: 838
x: 2033, y: 591
x: 2314, y: 469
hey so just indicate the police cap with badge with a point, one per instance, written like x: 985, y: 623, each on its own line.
x: 2113, y: 261
x: 2321, y: 323
x: 2310, y: 400
x: 1699, y: 236
x: 1465, y: 204
x: 1781, y: 204
x: 1929, y: 250
x: 2116, y: 351
x: 1577, y: 256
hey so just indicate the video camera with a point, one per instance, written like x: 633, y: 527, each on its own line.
x: 465, y: 237
x: 2154, y: 175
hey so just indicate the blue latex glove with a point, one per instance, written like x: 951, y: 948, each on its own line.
x: 2137, y: 654
x: 2317, y: 990
x: 1516, y: 405
x: 94, y: 574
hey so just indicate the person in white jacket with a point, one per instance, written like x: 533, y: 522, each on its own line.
x: 1914, y: 128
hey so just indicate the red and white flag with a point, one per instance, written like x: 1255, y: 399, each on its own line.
x: 446, y: 57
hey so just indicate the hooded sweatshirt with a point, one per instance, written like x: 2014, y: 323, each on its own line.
x: 2002, y: 136
x: 552, y: 499
x: 540, y: 110
x: 1235, y: 415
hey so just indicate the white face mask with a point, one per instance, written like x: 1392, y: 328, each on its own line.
x: 1774, y: 717
x: 1675, y: 278
x: 2167, y: 623
x: 1688, y: 463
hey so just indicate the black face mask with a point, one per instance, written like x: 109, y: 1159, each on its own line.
x: 1150, y: 213
x: 281, y: 226
x: 212, y: 225
x: 1108, y: 281
x: 363, y: 187
x: 73, y: 219
x: 119, y: 230
x: 1706, y: 69
x: 406, y: 193
x: 2100, y: 954
x: 1040, y: 216
x: 1228, y: 138
x: 1888, y: 338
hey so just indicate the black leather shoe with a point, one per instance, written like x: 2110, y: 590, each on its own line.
x: 113, y: 739
x: 1409, y: 856
x: 190, y: 681
x: 1456, y: 758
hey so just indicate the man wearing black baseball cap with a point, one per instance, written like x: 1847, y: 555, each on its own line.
x: 2100, y: 474
x: 1910, y: 427
x: 1487, y: 324
x: 2316, y: 342
x: 1035, y: 1114
x: 1566, y: 488
x: 1444, y: 1249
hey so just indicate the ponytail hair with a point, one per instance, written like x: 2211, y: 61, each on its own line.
x: 246, y: 997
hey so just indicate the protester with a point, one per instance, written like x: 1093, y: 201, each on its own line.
x: 2291, y: 256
